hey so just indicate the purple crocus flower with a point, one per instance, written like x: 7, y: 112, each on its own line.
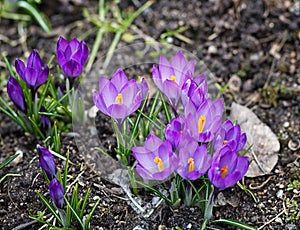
x: 119, y: 97
x: 176, y: 132
x: 227, y: 168
x: 36, y: 72
x: 170, y: 77
x: 230, y: 134
x: 195, y: 90
x: 203, y: 122
x: 47, y: 162
x: 56, y: 193
x: 156, y: 160
x: 16, y: 94
x: 71, y: 56
x: 194, y: 161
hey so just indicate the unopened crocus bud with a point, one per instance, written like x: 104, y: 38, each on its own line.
x: 71, y: 56
x: 56, y: 193
x: 15, y: 93
x: 35, y: 73
x: 47, y: 162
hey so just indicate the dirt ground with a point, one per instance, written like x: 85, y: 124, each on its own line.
x: 256, y: 42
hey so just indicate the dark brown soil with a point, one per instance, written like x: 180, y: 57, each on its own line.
x: 258, y: 41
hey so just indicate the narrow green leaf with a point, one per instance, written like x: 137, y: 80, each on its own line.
x: 85, y: 200
x: 8, y: 160
x: 234, y: 223
x: 50, y: 207
x: 88, y: 218
x: 76, y: 215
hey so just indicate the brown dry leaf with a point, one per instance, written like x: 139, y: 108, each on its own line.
x: 265, y: 143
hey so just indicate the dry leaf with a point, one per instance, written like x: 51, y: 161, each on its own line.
x: 265, y: 143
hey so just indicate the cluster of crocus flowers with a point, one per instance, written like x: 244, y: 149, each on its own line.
x: 24, y: 91
x: 48, y: 164
x: 196, y: 142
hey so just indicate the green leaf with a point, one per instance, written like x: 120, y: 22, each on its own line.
x: 76, y: 215
x: 234, y: 223
x: 50, y: 207
x: 8, y: 160
x: 88, y: 218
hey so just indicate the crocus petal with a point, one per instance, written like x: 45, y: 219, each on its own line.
x: 62, y: 44
x: 156, y: 77
x: 119, y: 79
x: 72, y: 68
x: 43, y: 76
x: 172, y: 91
x: 20, y: 68
x: 15, y: 93
x: 47, y: 162
x: 98, y: 101
x: 165, y: 68
x: 56, y: 193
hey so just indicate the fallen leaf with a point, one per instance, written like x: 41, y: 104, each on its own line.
x: 265, y: 143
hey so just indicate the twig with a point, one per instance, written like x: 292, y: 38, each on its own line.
x: 270, y: 221
x: 258, y: 163
x: 261, y: 185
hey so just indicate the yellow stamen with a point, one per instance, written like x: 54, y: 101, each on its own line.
x: 159, y: 163
x: 119, y: 99
x: 191, y: 164
x: 225, y: 142
x: 224, y: 171
x: 173, y: 78
x: 201, y: 123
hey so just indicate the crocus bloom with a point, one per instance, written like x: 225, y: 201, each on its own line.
x: 16, y: 94
x: 47, y: 162
x: 230, y: 134
x: 36, y: 72
x: 170, y: 77
x: 56, y: 193
x: 156, y: 160
x: 176, y: 132
x: 119, y: 97
x: 195, y: 90
x: 227, y: 168
x: 194, y: 161
x: 203, y: 122
x: 71, y: 56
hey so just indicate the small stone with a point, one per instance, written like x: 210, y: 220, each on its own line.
x: 279, y: 194
x: 212, y: 50
x: 96, y: 197
x: 161, y: 227
x: 189, y: 226
x: 281, y: 186
x: 286, y: 124
x: 93, y: 112
x: 19, y: 158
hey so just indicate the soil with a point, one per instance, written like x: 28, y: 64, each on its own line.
x: 256, y: 42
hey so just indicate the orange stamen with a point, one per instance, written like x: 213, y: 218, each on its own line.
x: 159, y: 163
x: 173, y: 78
x: 119, y: 99
x: 225, y: 142
x: 224, y: 171
x: 201, y: 123
x: 191, y: 164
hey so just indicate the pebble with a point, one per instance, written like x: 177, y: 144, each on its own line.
x: 279, y: 194
x: 212, y: 50
x: 281, y: 186
x: 93, y: 111
x: 189, y: 226
x: 286, y: 124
